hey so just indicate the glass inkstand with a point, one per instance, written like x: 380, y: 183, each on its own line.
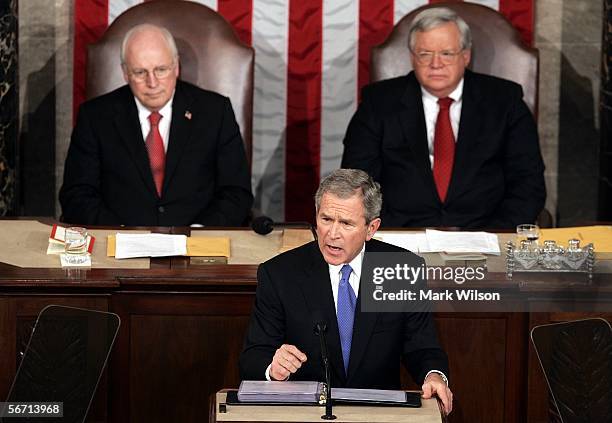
x: 551, y: 257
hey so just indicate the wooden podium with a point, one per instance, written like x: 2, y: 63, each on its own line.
x: 428, y: 413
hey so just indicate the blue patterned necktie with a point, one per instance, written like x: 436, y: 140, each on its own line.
x: 346, y: 313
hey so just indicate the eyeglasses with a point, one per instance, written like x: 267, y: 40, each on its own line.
x: 425, y: 58
x: 160, y: 72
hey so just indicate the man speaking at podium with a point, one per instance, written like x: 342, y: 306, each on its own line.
x: 322, y: 277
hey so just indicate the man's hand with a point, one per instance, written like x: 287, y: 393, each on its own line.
x: 434, y: 385
x: 287, y: 360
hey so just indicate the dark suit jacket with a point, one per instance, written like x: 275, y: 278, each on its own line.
x: 108, y: 180
x: 497, y: 179
x: 294, y: 287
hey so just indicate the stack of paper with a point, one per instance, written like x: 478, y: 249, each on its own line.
x: 289, y: 391
x: 463, y: 242
x: 368, y: 395
x: 415, y: 242
x: 149, y: 245
x: 432, y: 241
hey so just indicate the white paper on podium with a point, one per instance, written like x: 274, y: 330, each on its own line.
x: 275, y: 391
x: 368, y: 395
x: 463, y: 242
x: 149, y: 245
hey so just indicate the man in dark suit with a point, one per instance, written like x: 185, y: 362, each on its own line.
x: 158, y: 151
x: 320, y: 280
x: 450, y: 147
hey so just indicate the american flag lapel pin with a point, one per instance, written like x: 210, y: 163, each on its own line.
x: 188, y: 115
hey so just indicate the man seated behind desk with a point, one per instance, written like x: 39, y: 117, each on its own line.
x: 449, y: 147
x: 158, y: 151
x: 323, y: 277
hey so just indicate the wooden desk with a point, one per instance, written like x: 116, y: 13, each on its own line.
x: 428, y: 413
x: 183, y: 327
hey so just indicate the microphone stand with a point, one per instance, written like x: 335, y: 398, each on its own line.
x: 320, y: 330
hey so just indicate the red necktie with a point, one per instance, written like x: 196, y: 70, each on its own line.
x: 155, y: 148
x: 444, y: 148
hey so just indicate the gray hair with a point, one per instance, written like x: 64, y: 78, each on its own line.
x: 146, y: 27
x: 343, y: 183
x: 434, y: 17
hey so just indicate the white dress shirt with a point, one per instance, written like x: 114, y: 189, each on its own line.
x: 335, y: 275
x: 164, y: 123
x: 431, y: 109
x: 354, y: 278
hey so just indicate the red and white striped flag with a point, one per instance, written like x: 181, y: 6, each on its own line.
x: 311, y: 60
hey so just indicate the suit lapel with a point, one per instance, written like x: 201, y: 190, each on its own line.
x: 318, y: 294
x: 128, y: 125
x: 469, y: 128
x: 362, y: 332
x: 412, y: 121
x: 180, y: 131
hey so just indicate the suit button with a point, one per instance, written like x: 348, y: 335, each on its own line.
x: 161, y: 209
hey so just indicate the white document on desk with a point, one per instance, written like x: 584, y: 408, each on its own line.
x: 415, y: 242
x: 463, y: 242
x: 149, y: 245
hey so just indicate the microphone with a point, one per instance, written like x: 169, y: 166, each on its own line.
x: 320, y: 328
x: 263, y: 225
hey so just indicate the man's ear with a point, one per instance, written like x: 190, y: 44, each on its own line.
x: 126, y: 76
x: 372, y: 228
x: 467, y: 56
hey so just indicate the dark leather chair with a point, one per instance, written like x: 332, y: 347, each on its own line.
x: 211, y: 55
x: 576, y: 358
x: 497, y: 49
x: 66, y: 354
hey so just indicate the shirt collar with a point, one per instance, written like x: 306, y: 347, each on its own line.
x: 355, y: 264
x: 143, y: 112
x: 456, y: 94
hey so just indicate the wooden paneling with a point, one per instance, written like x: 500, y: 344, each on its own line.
x: 174, y: 350
x: 483, y: 352
x: 7, y: 346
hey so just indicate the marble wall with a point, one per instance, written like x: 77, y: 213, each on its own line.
x: 567, y: 34
x: 605, y: 206
x: 547, y: 40
x: 579, y: 132
x: 45, y: 60
x: 9, y: 101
